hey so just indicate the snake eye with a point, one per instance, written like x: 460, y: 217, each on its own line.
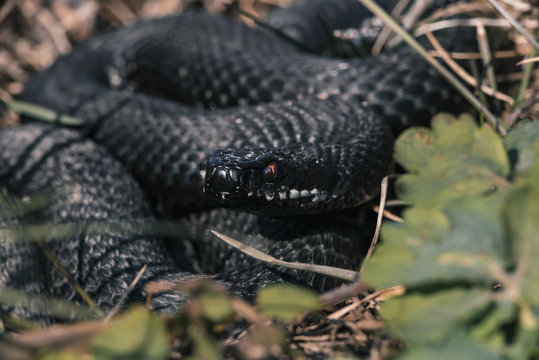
x: 270, y: 172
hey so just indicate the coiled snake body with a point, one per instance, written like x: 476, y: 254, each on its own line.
x: 297, y: 134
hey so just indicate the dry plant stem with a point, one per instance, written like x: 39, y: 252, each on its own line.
x: 411, y: 17
x: 515, y: 76
x: 386, y: 31
x: 515, y: 24
x: 392, y: 291
x: 55, y: 31
x: 378, y: 11
x: 416, y: 10
x: 450, y: 23
x: 486, y: 56
x: 20, y: 217
x: 6, y: 9
x: 388, y: 214
x: 503, y: 54
x: 518, y: 5
x: 344, y: 274
x: 68, y: 276
x: 455, y: 9
x: 526, y: 79
x: 395, y: 202
x: 481, y: 95
x: 345, y: 310
x: 242, y: 308
x: 383, y: 197
x: 340, y: 294
x: 375, y: 352
x: 527, y: 61
x: 463, y: 73
x: 120, y: 11
x: 74, y: 21
x: 124, y: 295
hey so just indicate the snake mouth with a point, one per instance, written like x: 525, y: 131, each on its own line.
x: 241, y: 189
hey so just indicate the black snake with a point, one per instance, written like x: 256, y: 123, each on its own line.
x: 296, y: 133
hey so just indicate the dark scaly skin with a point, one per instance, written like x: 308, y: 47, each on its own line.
x: 41, y: 157
x: 217, y: 62
x: 305, y: 18
x: 207, y: 62
x: 38, y: 158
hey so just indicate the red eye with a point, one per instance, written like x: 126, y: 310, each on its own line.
x: 270, y: 172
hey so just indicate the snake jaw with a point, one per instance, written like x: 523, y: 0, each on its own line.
x: 239, y: 179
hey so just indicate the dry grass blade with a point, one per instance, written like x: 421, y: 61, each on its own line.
x: 343, y: 274
x: 378, y: 11
x: 383, y: 197
x: 518, y: 5
x: 20, y: 217
x: 475, y: 56
x: 6, y: 9
x: 486, y: 56
x: 456, y: 9
x: 340, y: 294
x: 451, y: 23
x: 520, y: 98
x: 388, y: 214
x: 249, y: 313
x: 386, y: 31
x: 385, y: 294
x: 124, y: 295
x: 396, y: 202
x: 55, y: 30
x: 343, y: 311
x: 463, y: 73
x: 514, y: 24
x: 528, y: 61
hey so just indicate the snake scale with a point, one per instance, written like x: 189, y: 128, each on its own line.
x: 288, y: 136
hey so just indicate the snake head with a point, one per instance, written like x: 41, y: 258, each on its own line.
x: 269, y: 181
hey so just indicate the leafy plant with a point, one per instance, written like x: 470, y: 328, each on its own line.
x: 467, y: 247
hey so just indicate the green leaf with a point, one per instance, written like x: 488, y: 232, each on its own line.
x: 472, y: 224
x: 136, y: 334
x: 457, y: 347
x: 286, y: 302
x: 520, y: 145
x: 432, y: 319
x: 215, y: 306
x: 60, y: 355
x: 205, y: 347
x: 520, y: 216
x: 454, y: 160
x: 434, y: 248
